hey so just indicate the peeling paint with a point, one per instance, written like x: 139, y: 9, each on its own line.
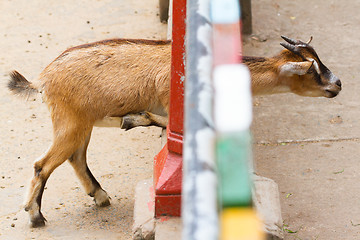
x: 182, y: 79
x: 199, y: 181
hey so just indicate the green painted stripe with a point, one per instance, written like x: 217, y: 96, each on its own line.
x: 233, y: 153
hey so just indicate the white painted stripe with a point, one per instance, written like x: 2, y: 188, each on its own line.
x: 225, y: 11
x: 233, y: 103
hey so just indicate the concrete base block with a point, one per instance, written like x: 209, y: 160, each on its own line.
x: 267, y: 203
x: 144, y: 222
x: 168, y: 228
x: 146, y: 227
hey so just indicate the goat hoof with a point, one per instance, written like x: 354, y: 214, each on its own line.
x: 38, y: 221
x: 101, y: 198
x: 103, y: 204
x: 127, y: 123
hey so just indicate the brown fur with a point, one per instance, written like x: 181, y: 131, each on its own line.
x: 131, y: 79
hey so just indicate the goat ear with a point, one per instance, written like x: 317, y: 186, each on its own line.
x: 295, y: 68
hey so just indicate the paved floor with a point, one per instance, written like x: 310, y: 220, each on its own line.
x: 310, y: 146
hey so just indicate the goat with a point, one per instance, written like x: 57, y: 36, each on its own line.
x: 126, y: 83
x: 297, y: 69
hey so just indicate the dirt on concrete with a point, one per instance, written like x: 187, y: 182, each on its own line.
x: 32, y: 34
x: 310, y: 146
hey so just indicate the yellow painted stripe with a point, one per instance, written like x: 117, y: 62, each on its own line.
x: 240, y: 224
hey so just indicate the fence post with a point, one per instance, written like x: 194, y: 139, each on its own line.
x: 233, y: 115
x: 199, y: 204
x: 168, y: 162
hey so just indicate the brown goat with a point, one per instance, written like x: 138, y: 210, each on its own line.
x: 298, y: 70
x: 122, y: 82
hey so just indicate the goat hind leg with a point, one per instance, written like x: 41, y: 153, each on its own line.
x: 87, y: 179
x: 35, y: 192
x: 65, y: 143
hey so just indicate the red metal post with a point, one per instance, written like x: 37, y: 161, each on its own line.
x: 168, y: 163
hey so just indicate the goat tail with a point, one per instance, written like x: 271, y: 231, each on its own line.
x: 19, y: 85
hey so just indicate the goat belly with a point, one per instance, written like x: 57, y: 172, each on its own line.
x: 109, y: 122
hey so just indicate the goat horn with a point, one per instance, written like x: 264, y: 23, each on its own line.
x: 289, y: 40
x: 311, y: 38
x: 288, y: 47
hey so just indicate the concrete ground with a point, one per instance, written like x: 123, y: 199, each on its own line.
x: 309, y: 146
x: 32, y: 34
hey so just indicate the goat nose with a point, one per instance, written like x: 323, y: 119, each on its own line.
x: 338, y: 83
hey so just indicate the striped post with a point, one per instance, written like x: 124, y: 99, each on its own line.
x: 233, y: 116
x: 199, y: 204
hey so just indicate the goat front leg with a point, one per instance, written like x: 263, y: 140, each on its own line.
x: 87, y: 179
x: 143, y: 119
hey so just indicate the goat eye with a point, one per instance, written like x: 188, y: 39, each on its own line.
x: 311, y: 70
